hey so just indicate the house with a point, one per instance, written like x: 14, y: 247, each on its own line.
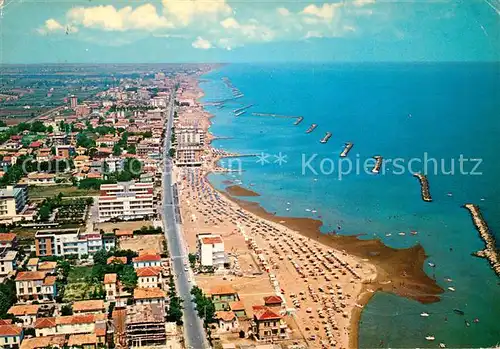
x: 11, y: 336
x: 110, y: 283
x: 152, y: 295
x: 72, y: 324
x: 50, y: 341
x: 149, y: 277
x: 8, y: 240
x: 89, y: 307
x: 45, y: 326
x: 147, y: 260
x: 268, y: 325
x: 65, y: 151
x: 211, y: 250
x: 226, y: 321
x: 116, y: 260
x: 85, y: 341
x: 47, y: 266
x: 43, y: 154
x: 25, y: 312
x: 13, y: 200
x: 81, y: 161
x: 32, y: 264
x: 35, y: 285
x: 7, y: 262
x: 238, y: 308
x: 40, y: 178
x: 222, y: 296
x: 273, y: 301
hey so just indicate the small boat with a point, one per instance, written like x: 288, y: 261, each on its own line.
x: 450, y: 194
x: 448, y: 280
x: 467, y: 323
x: 452, y: 289
x: 308, y: 210
x: 432, y: 265
x: 430, y: 338
x: 413, y: 232
x: 458, y: 311
x: 442, y: 345
x: 402, y: 234
x: 388, y: 234
x: 482, y: 199
x: 314, y: 211
x: 424, y: 314
x: 476, y: 320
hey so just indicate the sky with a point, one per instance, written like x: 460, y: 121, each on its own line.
x: 162, y: 31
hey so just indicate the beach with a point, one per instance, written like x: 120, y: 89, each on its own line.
x: 294, y: 249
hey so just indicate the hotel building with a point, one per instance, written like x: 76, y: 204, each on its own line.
x: 125, y: 201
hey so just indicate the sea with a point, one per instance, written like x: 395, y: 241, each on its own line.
x: 442, y: 119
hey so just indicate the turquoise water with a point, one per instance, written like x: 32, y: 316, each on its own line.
x: 397, y: 111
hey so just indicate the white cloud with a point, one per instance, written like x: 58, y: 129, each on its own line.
x: 144, y: 17
x: 201, y: 43
x: 50, y: 25
x: 361, y: 3
x: 283, y: 11
x: 230, y: 23
x: 325, y: 12
x: 184, y: 12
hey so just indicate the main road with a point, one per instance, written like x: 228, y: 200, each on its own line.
x: 193, y: 327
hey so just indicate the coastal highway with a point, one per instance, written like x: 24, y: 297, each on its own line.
x: 193, y: 328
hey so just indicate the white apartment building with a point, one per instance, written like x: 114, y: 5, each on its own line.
x: 35, y: 285
x: 12, y: 201
x: 153, y: 295
x: 67, y: 242
x: 189, y: 135
x: 188, y: 155
x: 147, y: 260
x: 125, y: 201
x: 211, y: 250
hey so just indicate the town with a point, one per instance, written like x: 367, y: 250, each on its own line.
x: 111, y: 235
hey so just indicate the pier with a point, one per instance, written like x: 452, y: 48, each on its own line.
x: 378, y: 164
x: 311, y: 128
x: 298, y: 121
x: 326, y: 138
x: 276, y: 115
x: 490, y: 252
x: 424, y: 186
x: 346, y: 150
x: 242, y: 108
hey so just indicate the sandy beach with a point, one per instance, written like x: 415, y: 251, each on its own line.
x: 326, y: 279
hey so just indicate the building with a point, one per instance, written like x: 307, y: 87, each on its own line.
x: 153, y: 295
x: 188, y: 155
x: 226, y: 321
x: 146, y: 325
x: 11, y: 336
x: 8, y: 240
x: 113, y: 164
x: 273, y: 302
x: 73, y: 101
x: 148, y: 277
x: 25, y: 312
x: 147, y: 260
x: 110, y: 286
x: 7, y: 262
x: 12, y: 201
x: 95, y: 306
x: 39, y: 178
x: 211, y: 251
x: 223, y: 296
x: 268, y: 325
x: 49, y: 341
x: 125, y: 201
x: 65, y: 151
x: 189, y: 135
x: 35, y: 285
x: 67, y: 242
x: 74, y: 324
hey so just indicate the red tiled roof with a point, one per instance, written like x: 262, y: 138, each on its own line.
x: 5, y: 321
x: 109, y: 278
x: 30, y: 275
x: 266, y: 314
x: 147, y: 258
x: 113, y: 259
x: 148, y: 293
x: 91, y: 305
x: 10, y: 330
x: 272, y: 300
x: 77, y: 319
x: 238, y: 305
x: 7, y: 237
x: 45, y: 322
x: 81, y: 339
x: 20, y: 310
x: 56, y: 341
x: 49, y: 281
x: 212, y: 240
x: 225, y: 315
x: 148, y: 271
x: 222, y: 290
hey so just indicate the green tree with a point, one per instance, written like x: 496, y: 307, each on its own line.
x: 128, y: 278
x: 66, y: 310
x: 38, y: 126
x: 117, y: 150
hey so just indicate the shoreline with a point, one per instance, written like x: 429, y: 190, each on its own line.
x: 398, y: 271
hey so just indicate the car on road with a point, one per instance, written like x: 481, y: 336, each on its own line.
x: 186, y: 269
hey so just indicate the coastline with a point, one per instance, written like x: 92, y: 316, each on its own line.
x: 398, y: 271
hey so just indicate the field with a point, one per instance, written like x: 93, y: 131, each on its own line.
x: 143, y: 243
x: 49, y: 191
x: 134, y: 225
x: 77, y: 287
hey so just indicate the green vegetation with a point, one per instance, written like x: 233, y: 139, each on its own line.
x: 171, y: 152
x: 7, y: 297
x: 70, y: 211
x: 174, y: 311
x: 148, y: 230
x: 66, y: 190
x: 126, y: 273
x: 192, y: 259
x: 204, y: 306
